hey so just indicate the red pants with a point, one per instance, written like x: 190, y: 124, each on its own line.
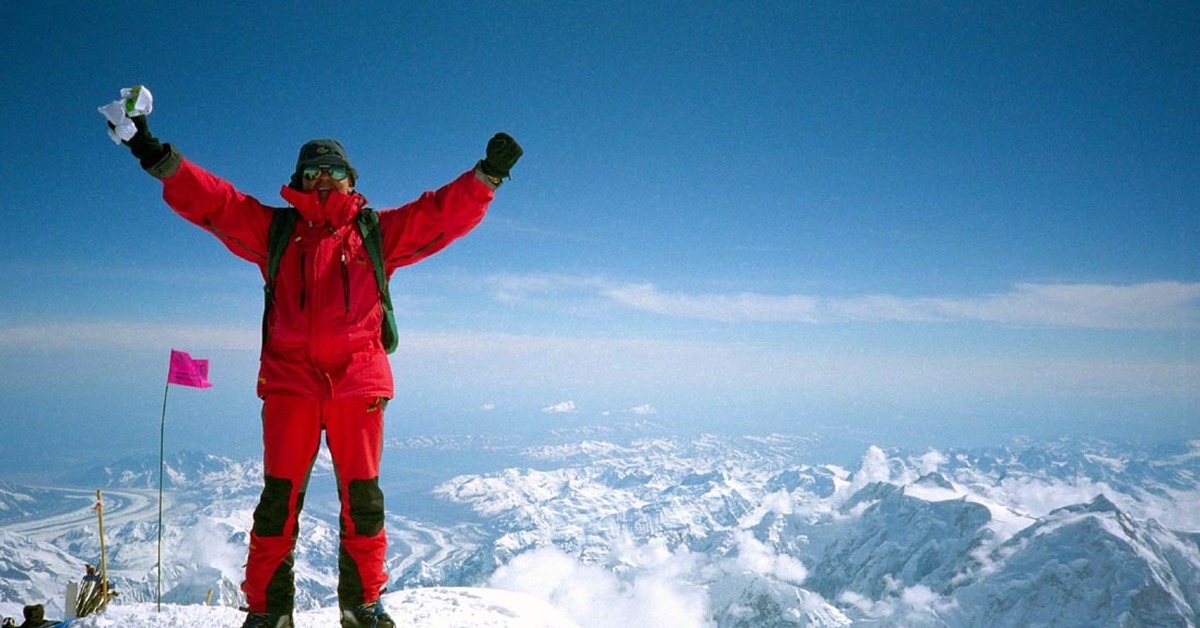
x: 291, y: 438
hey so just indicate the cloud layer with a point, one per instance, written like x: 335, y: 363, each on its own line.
x: 1161, y: 305
x: 1156, y: 305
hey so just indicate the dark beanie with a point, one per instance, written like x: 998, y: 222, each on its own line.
x: 322, y: 153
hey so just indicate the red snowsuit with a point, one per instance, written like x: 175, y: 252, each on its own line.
x: 323, y: 365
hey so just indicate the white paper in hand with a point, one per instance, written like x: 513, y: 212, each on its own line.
x: 135, y: 101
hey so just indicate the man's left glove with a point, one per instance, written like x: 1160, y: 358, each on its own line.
x: 148, y: 150
x: 502, y: 153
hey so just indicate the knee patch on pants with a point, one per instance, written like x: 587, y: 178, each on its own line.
x: 272, y: 512
x: 366, y: 506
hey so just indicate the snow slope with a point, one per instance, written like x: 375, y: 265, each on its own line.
x: 428, y: 608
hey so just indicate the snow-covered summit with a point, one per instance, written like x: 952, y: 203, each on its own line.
x: 428, y: 608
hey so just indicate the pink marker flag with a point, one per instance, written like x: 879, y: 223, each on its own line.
x: 186, y: 371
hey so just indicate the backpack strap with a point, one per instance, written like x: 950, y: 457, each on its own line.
x: 278, y: 237
x: 372, y: 237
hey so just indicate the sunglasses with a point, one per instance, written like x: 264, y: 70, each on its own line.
x: 337, y: 173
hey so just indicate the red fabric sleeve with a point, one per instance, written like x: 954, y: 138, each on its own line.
x: 240, y: 221
x: 427, y: 225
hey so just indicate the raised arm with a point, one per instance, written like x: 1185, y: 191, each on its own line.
x: 430, y: 223
x: 240, y: 221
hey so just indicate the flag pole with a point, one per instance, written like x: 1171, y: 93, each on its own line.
x: 162, y: 432
x: 185, y: 371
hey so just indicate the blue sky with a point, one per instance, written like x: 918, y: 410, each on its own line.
x: 913, y: 223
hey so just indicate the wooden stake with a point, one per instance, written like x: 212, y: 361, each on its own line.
x: 103, y: 549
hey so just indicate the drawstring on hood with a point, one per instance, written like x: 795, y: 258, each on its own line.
x: 338, y: 209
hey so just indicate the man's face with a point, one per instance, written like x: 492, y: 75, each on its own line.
x: 324, y: 178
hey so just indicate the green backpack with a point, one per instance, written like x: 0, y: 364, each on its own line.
x: 282, y: 225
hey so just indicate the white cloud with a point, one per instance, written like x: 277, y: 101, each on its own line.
x: 124, y: 335
x: 914, y: 606
x: 728, y: 308
x: 643, y: 409
x: 1153, y: 305
x: 930, y: 461
x: 875, y: 467
x: 652, y: 590
x: 488, y: 407
x: 533, y: 365
x: 755, y: 556
x: 565, y: 407
x: 519, y: 288
x: 208, y: 540
x: 778, y: 502
x: 920, y: 596
x: 647, y: 366
x: 1157, y: 305
x: 1038, y: 496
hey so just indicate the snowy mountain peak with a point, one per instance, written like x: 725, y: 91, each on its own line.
x: 869, y: 494
x: 934, y: 479
x: 1098, y: 504
x: 681, y: 532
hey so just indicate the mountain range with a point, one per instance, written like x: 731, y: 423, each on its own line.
x: 636, y: 527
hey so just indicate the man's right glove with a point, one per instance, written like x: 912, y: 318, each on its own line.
x: 502, y: 153
x: 145, y: 146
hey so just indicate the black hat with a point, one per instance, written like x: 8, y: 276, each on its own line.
x: 322, y: 153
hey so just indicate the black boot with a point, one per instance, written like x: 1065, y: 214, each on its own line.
x: 370, y: 615
x: 267, y: 620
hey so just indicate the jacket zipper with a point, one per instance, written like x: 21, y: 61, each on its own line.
x: 303, y: 283
x: 418, y: 252
x: 345, y: 280
x: 221, y: 235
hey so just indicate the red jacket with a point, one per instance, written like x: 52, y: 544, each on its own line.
x: 324, y: 327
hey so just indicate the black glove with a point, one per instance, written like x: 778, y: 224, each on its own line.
x: 145, y: 146
x: 502, y: 153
